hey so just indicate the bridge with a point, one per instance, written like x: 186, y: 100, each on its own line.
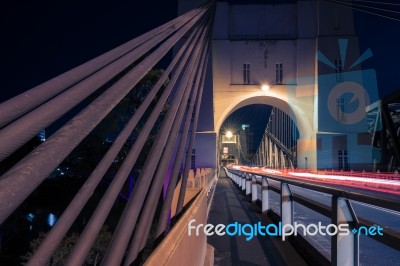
x: 137, y: 152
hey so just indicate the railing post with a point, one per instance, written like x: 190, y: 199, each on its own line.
x: 248, y: 184
x: 286, y: 204
x: 344, y: 248
x: 243, y: 181
x: 254, y: 189
x: 264, y: 194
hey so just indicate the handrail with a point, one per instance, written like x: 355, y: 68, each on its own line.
x: 392, y: 204
x: 344, y: 248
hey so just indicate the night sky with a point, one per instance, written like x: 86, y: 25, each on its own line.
x: 41, y: 39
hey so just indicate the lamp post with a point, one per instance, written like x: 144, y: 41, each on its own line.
x: 306, y: 162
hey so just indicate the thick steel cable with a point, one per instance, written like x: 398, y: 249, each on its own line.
x: 150, y: 205
x: 179, y: 157
x: 375, y: 2
x: 163, y: 163
x: 22, y: 130
x: 127, y: 222
x: 370, y: 7
x: 54, y: 237
x: 362, y: 10
x: 97, y: 219
x: 148, y: 210
x: 165, y: 210
x: 185, y: 173
x: 28, y: 100
x: 116, y: 250
x: 17, y: 183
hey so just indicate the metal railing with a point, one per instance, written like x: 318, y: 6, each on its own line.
x: 344, y: 249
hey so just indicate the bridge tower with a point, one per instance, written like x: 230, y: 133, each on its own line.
x: 281, y: 45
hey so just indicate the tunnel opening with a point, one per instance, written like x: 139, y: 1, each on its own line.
x: 258, y: 135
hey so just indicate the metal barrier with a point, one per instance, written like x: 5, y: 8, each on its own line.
x: 344, y: 249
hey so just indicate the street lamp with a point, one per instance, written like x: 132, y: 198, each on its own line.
x: 264, y: 87
x: 229, y: 134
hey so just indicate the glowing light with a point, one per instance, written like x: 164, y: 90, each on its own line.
x: 30, y: 217
x: 349, y: 178
x: 265, y: 87
x: 229, y: 134
x: 42, y: 135
x: 51, y: 220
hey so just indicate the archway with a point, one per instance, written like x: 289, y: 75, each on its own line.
x: 286, y: 98
x: 260, y: 133
x: 302, y: 122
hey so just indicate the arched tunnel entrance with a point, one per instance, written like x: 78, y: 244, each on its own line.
x: 296, y: 114
x: 258, y: 134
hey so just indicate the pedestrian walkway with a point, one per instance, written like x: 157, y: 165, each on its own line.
x: 229, y: 206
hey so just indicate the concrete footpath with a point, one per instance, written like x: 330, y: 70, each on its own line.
x: 229, y: 206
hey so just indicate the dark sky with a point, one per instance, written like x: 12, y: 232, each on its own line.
x: 41, y: 39
x: 382, y: 36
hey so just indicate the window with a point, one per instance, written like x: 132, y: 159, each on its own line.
x: 338, y: 69
x: 246, y: 73
x: 340, y: 109
x: 343, y: 160
x: 279, y: 73
x: 193, y: 159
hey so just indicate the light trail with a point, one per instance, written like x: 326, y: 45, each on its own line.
x: 386, y: 184
x: 348, y: 178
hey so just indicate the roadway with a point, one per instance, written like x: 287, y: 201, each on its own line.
x: 229, y: 206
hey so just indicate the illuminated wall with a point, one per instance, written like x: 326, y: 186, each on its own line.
x: 286, y: 47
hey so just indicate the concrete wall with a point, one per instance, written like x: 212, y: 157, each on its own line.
x: 263, y: 22
x: 201, y: 179
x: 178, y: 248
x: 262, y: 57
x: 262, y: 36
x: 206, y: 152
x: 334, y: 20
